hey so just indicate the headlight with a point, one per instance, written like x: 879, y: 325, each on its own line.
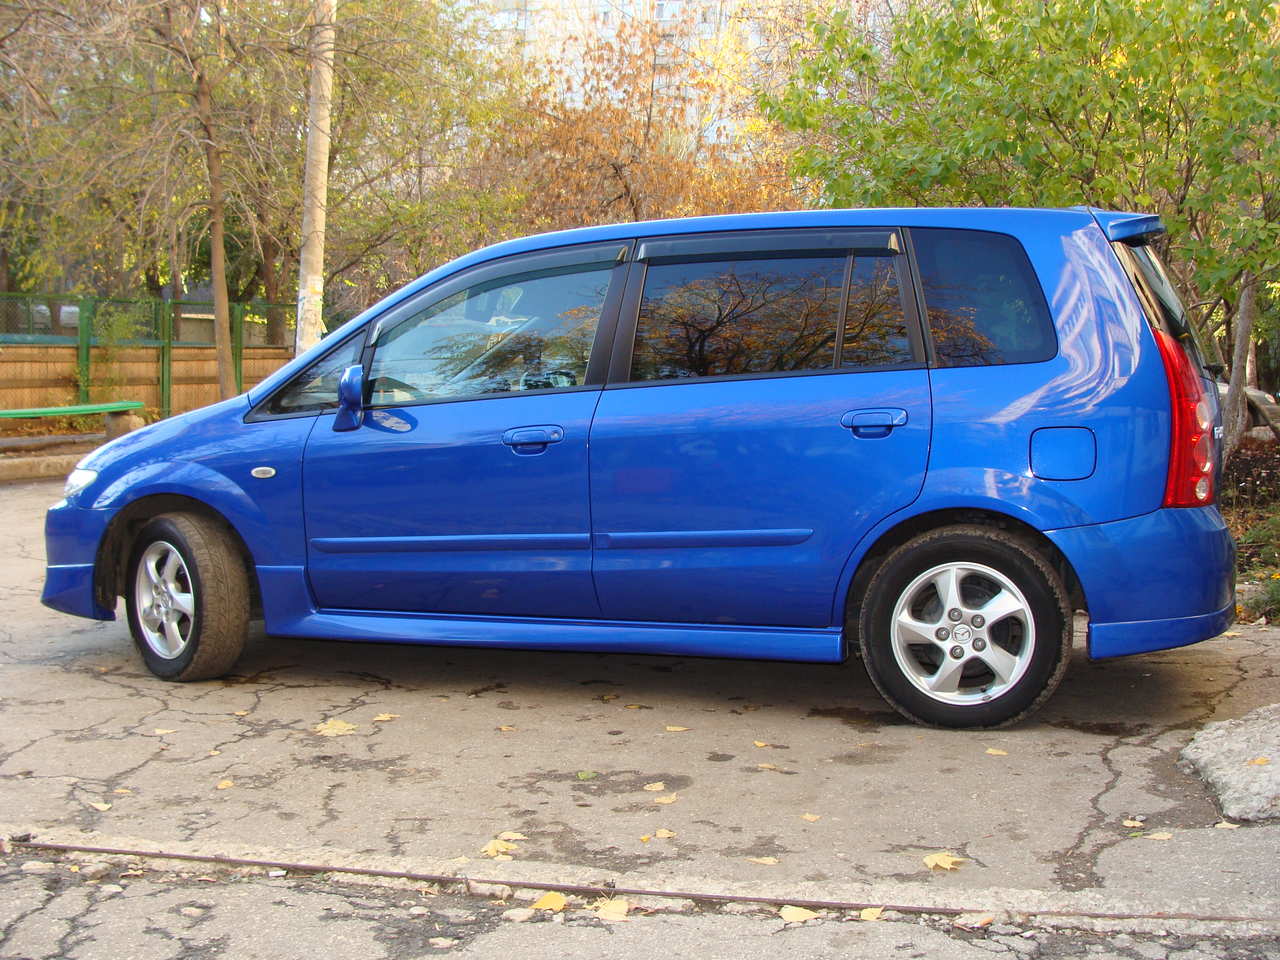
x: 77, y: 480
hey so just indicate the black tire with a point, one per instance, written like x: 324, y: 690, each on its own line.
x: 205, y: 600
x: 1031, y: 645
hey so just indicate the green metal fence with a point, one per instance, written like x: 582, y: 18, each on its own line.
x: 90, y: 322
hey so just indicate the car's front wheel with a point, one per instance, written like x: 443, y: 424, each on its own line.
x: 188, y: 597
x: 965, y: 626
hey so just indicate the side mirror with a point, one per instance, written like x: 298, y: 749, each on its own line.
x: 350, y: 399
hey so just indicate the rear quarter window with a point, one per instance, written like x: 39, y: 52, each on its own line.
x: 983, y: 300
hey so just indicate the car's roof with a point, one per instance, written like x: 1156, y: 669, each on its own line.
x: 974, y: 218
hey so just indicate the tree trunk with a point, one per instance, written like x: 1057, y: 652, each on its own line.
x: 1235, y: 416
x: 1251, y: 365
x: 276, y: 329
x: 315, y: 184
x: 217, y: 242
x: 175, y: 263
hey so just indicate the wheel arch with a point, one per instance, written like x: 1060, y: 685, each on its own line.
x: 906, y: 529
x: 112, y: 560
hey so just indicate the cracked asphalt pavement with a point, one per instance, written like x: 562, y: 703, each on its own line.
x: 790, y: 781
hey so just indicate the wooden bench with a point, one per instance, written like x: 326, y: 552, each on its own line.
x: 119, y: 415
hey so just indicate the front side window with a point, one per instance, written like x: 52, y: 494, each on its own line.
x: 984, y: 303
x: 768, y: 315
x: 519, y: 332
x: 316, y: 387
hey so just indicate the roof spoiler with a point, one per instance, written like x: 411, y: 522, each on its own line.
x: 1134, y: 229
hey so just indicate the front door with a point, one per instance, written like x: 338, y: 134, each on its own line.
x: 771, y: 407
x: 464, y: 490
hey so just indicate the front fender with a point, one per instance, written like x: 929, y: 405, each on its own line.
x: 208, y: 486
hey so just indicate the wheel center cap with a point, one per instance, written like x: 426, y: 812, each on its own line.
x: 961, y: 633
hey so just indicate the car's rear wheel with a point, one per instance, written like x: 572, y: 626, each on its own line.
x: 188, y: 597
x: 965, y: 626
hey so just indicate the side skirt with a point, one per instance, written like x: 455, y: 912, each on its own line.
x: 291, y: 614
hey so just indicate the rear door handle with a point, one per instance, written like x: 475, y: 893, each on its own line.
x: 874, y: 421
x: 525, y: 440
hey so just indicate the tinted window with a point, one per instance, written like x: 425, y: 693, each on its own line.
x: 984, y: 303
x: 743, y: 316
x: 530, y: 331
x: 316, y: 387
x: 1159, y: 299
x: 875, y: 326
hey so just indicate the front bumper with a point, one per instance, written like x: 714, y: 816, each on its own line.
x: 72, y: 535
x: 1165, y: 579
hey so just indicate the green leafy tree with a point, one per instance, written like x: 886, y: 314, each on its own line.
x: 1171, y: 106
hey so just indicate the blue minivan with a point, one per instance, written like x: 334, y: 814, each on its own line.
x: 927, y: 437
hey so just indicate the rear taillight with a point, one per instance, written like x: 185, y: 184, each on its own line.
x: 1190, y: 480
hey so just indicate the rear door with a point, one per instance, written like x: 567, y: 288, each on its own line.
x: 767, y: 404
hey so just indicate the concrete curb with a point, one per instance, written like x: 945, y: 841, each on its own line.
x: 1097, y: 910
x: 37, y: 468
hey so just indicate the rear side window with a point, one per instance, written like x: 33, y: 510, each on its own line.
x: 983, y: 300
x: 758, y: 315
x: 1160, y: 301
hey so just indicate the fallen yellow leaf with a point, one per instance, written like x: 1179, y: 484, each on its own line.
x: 384, y: 717
x: 811, y: 817
x: 662, y: 833
x: 1226, y: 825
x: 997, y: 752
x: 656, y: 787
x: 646, y: 838
x: 555, y: 902
x: 637, y: 706
x: 1131, y: 823
x: 795, y: 914
x: 334, y: 728
x: 1158, y: 836
x: 100, y: 807
x: 669, y: 798
x: 671, y: 729
x: 870, y: 913
x: 215, y: 753
x: 506, y: 728
x: 763, y: 861
x: 1259, y: 761
x: 606, y: 697
x: 943, y: 861
x: 760, y: 743
x: 511, y: 835
x: 242, y: 713
x: 160, y: 731
x: 497, y: 847
x: 123, y: 791
x: 766, y: 766
x: 613, y: 909
x: 225, y: 784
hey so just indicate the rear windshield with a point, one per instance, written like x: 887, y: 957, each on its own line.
x: 1159, y: 300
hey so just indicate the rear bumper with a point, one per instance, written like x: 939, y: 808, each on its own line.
x: 1153, y: 582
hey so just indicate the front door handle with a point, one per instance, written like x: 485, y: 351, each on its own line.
x: 874, y: 422
x: 527, y: 440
